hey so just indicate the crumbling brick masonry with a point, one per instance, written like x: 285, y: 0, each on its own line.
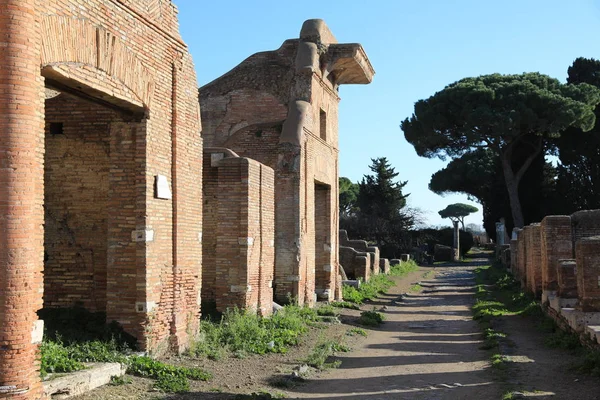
x: 280, y: 108
x: 100, y: 178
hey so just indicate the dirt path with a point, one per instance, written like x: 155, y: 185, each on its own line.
x: 538, y: 371
x: 428, y: 348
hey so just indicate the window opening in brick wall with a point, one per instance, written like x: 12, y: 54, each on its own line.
x: 56, y: 128
x: 323, y: 124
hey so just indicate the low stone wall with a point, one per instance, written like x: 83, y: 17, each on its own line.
x: 559, y: 259
x: 357, y: 264
x: 362, y: 246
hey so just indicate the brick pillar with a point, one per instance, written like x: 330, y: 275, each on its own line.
x: 588, y: 273
x: 289, y: 257
x: 534, y: 259
x: 21, y: 198
x: 556, y: 243
x: 522, y: 257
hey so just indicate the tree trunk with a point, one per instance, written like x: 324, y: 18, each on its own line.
x: 456, y: 246
x: 512, y: 186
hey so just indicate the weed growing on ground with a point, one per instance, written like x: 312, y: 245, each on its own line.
x: 371, y: 318
x: 322, y: 351
x: 490, y: 339
x: 327, y: 310
x: 415, y: 288
x: 403, y: 268
x: 59, y: 357
x: 590, y: 363
x: 356, y: 331
x: 120, y: 380
x: 169, y: 378
x: 352, y: 295
x: 376, y: 285
x: 55, y: 357
x: 499, y: 361
x: 345, y: 304
x: 241, y: 333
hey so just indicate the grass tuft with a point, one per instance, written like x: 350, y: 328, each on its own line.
x: 371, y: 318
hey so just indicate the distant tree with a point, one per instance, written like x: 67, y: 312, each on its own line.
x: 479, y: 175
x: 381, y: 214
x: 502, y: 113
x: 348, y: 195
x: 458, y: 212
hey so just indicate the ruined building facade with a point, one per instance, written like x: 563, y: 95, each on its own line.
x: 101, y: 164
x: 280, y: 108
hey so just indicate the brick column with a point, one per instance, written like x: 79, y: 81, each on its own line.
x: 21, y: 198
x: 556, y: 242
x: 534, y: 259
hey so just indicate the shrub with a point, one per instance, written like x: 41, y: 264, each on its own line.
x: 371, y: 318
x: 345, y: 304
x: 327, y: 310
x: 322, y: 351
x: 243, y: 333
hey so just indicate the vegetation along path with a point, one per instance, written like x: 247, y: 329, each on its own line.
x: 452, y: 331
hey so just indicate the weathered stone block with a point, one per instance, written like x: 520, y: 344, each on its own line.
x: 567, y: 279
x: 384, y: 266
x: 587, y: 252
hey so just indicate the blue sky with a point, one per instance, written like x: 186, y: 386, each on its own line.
x: 416, y: 47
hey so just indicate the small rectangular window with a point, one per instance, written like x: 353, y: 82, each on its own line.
x: 323, y: 125
x: 56, y: 128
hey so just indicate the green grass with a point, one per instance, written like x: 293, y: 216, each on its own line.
x: 498, y: 294
x: 240, y: 333
x: 415, y: 288
x: 345, y: 304
x: 491, y: 339
x: 371, y: 318
x: 327, y: 310
x: 377, y: 285
x: 57, y: 357
x: 404, y: 268
x: 356, y: 331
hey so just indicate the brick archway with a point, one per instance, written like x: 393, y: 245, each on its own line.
x: 78, y: 51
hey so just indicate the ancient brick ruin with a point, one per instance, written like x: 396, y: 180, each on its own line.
x: 101, y: 160
x: 239, y: 225
x: 559, y: 260
x: 105, y: 176
x: 280, y: 108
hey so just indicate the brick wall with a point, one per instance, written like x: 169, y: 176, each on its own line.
x: 99, y: 50
x: 281, y: 109
x: 567, y: 279
x: 76, y: 175
x: 245, y: 226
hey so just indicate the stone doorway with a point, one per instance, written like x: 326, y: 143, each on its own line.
x: 322, y: 219
x: 90, y: 179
